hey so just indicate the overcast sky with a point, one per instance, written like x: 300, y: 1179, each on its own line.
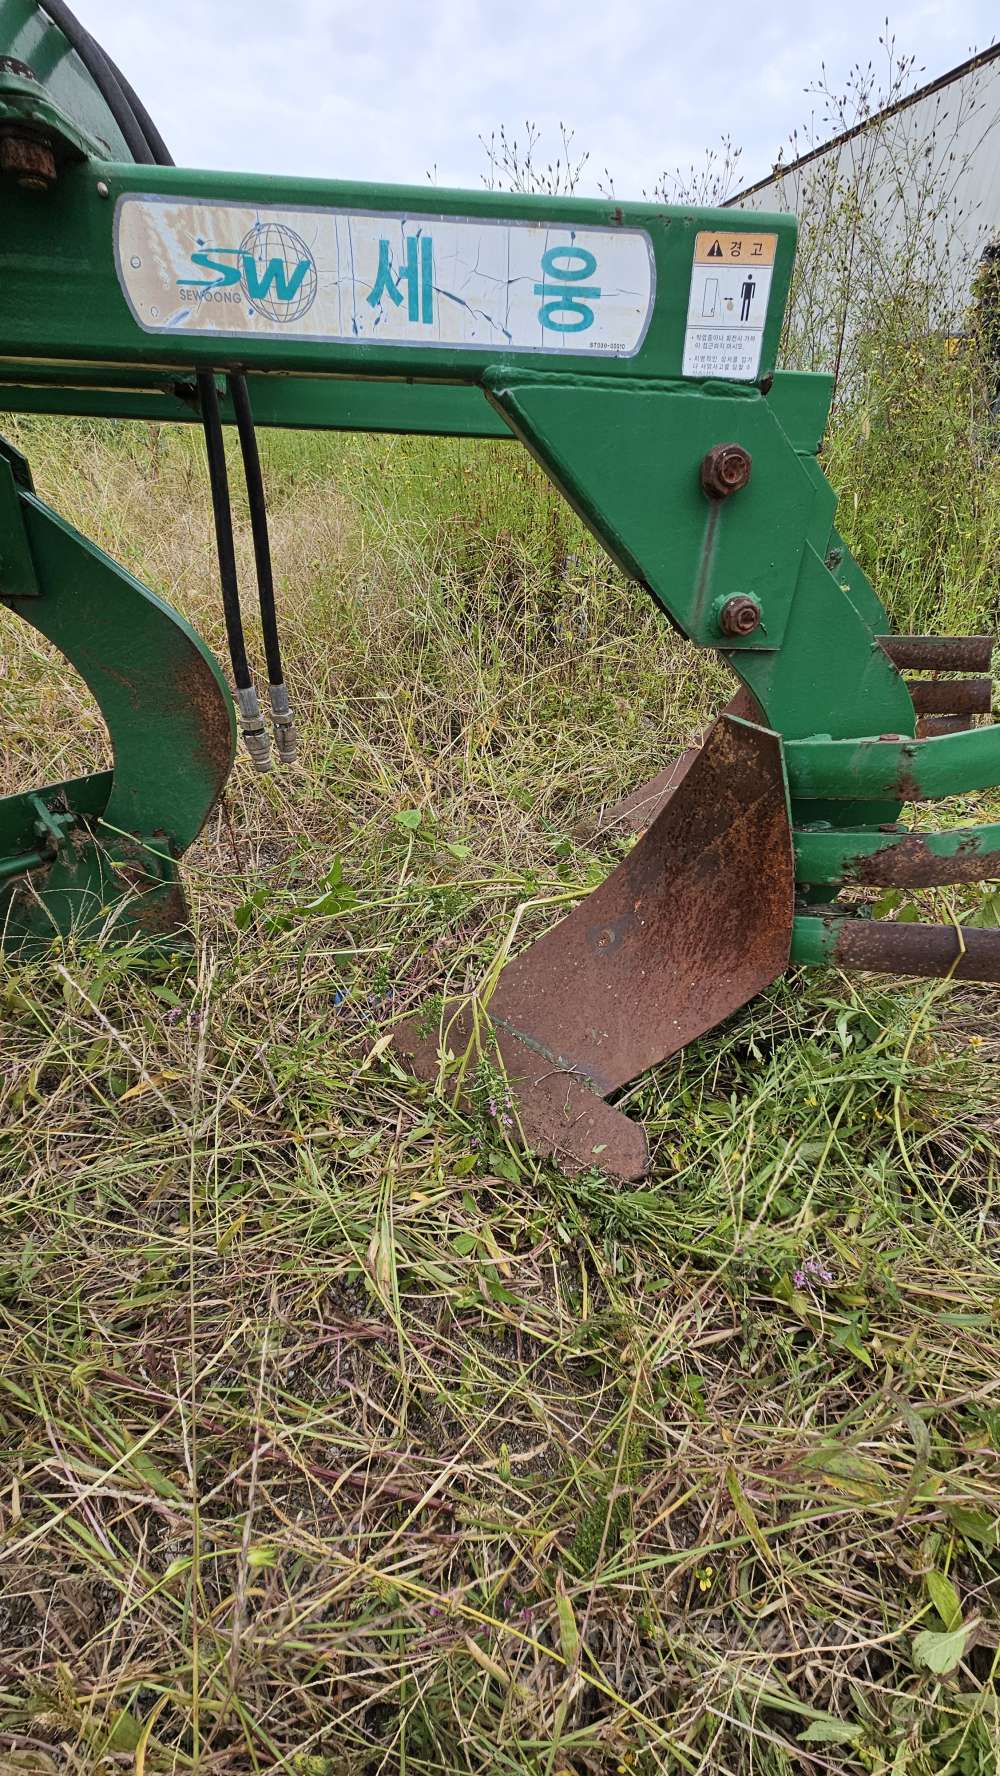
x: 350, y: 89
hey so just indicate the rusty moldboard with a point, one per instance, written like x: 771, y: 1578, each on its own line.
x: 639, y: 808
x: 693, y: 923
x: 557, y: 1109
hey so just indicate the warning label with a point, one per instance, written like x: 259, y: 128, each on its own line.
x: 727, y: 307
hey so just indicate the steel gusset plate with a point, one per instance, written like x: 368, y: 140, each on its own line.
x: 694, y: 921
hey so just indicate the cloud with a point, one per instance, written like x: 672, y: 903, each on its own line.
x: 330, y: 89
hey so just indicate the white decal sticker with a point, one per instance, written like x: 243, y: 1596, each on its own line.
x: 727, y: 307
x: 364, y: 278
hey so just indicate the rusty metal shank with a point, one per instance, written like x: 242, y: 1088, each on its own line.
x: 951, y: 696
x: 929, y: 725
x: 939, y: 653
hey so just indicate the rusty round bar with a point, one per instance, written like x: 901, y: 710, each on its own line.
x: 939, y: 653
x: 929, y: 725
x: 951, y: 696
x: 929, y: 952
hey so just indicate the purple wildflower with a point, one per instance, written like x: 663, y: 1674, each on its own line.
x: 811, y: 1271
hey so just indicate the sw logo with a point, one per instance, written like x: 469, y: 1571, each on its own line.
x: 272, y: 266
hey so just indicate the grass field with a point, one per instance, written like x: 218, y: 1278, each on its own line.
x: 339, y: 1437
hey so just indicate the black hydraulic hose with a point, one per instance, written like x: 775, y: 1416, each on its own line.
x: 157, y: 146
x: 256, y: 498
x: 284, y: 730
x: 255, y: 736
x: 104, y: 75
x: 146, y: 146
x: 285, y: 736
x: 218, y: 478
x: 258, y: 525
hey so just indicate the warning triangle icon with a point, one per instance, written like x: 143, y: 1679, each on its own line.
x: 715, y: 251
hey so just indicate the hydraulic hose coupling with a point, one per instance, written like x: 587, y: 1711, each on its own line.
x: 256, y: 738
x: 286, y: 739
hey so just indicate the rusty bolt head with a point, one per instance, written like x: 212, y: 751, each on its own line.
x: 724, y: 470
x: 28, y: 159
x: 739, y: 615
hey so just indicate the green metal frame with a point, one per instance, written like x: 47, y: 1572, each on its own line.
x: 101, y: 851
x: 622, y: 436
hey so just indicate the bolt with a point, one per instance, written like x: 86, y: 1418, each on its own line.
x: 724, y: 470
x: 739, y: 615
x: 102, y: 189
x: 30, y: 160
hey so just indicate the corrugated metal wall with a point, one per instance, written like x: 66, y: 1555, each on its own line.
x: 942, y: 147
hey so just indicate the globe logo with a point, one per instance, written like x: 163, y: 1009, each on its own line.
x: 278, y: 271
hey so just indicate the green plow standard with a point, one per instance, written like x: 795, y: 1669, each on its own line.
x: 632, y: 349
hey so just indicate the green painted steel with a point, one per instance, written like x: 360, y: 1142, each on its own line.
x: 65, y: 302
x: 25, y: 106
x: 17, y: 568
x: 833, y: 857
x: 21, y: 864
x: 172, y: 730
x: 121, y: 282
x: 814, y: 941
x: 622, y: 437
x: 627, y: 458
x: 329, y: 404
x: 912, y: 770
x: 152, y: 676
x: 87, y: 796
x: 29, y: 36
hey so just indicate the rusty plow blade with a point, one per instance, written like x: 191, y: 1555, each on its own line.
x: 694, y: 921
x: 639, y: 808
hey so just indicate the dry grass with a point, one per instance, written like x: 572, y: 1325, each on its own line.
x: 339, y: 1435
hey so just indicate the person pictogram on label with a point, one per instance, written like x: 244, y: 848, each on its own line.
x: 747, y: 289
